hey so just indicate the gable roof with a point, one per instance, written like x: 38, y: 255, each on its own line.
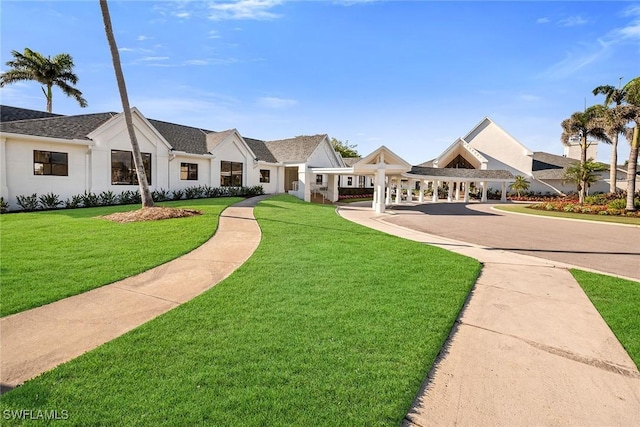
x: 11, y: 114
x: 183, y: 138
x: 294, y: 150
x: 61, y: 127
x: 261, y: 150
x: 180, y: 137
x: 461, y: 173
x: 350, y: 161
x: 549, y: 166
x: 484, y: 123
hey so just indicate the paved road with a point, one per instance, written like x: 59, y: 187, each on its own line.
x: 596, y: 246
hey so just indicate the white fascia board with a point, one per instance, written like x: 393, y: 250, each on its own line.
x: 333, y: 171
x: 192, y: 155
x: 20, y: 136
x: 265, y: 163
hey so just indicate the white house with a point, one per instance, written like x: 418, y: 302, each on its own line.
x: 68, y: 155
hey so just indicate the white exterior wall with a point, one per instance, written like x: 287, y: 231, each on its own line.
x: 276, y: 178
x: 573, y: 151
x: 492, y: 141
x: 174, y: 166
x: 21, y: 181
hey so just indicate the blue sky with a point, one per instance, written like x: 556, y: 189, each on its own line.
x: 412, y: 75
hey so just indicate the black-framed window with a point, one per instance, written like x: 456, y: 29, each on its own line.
x: 265, y: 175
x: 349, y: 181
x: 50, y: 163
x: 318, y: 179
x: 189, y: 171
x: 230, y: 174
x: 123, y: 170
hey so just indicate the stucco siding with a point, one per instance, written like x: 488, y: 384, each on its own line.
x: 494, y: 142
x: 21, y: 180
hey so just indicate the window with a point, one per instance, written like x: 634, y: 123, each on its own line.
x: 189, y: 171
x: 318, y: 179
x: 265, y: 175
x: 230, y: 174
x: 350, y: 181
x: 50, y: 163
x: 123, y: 171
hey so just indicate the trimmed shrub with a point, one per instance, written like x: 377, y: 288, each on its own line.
x: 3, y: 206
x: 50, y: 201
x: 90, y: 199
x: 107, y: 198
x: 177, y: 194
x: 160, y: 195
x: 28, y: 203
x: 74, y: 202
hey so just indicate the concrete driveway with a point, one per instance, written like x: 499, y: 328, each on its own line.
x: 608, y: 248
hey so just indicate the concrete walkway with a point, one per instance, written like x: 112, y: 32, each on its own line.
x: 529, y: 348
x: 37, y: 340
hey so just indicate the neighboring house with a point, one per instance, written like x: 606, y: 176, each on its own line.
x: 69, y: 155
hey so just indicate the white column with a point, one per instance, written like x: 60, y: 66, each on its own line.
x: 457, y: 191
x: 4, y: 187
x: 410, y: 185
x: 379, y: 185
x: 484, y: 192
x: 423, y: 185
x: 450, y: 192
x: 388, y: 195
x: 398, y: 191
x: 434, y: 197
x: 466, y: 192
x: 503, y: 198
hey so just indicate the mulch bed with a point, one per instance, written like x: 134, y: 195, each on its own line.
x: 151, y: 214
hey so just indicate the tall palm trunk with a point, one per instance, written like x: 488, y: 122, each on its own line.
x: 633, y: 168
x: 613, y: 167
x: 583, y: 161
x: 147, y: 200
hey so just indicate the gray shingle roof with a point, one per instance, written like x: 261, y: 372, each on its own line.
x: 11, y: 114
x: 183, y: 138
x: 350, y: 161
x: 63, y: 127
x: 261, y: 150
x: 461, y: 173
x: 294, y: 150
x: 427, y: 164
x: 549, y: 166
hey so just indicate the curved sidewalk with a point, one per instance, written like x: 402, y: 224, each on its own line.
x: 528, y: 349
x: 37, y: 340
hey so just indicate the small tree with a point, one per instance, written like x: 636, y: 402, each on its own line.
x: 345, y: 149
x: 583, y: 174
x: 520, y: 184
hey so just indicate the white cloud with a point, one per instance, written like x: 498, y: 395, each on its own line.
x: 543, y: 20
x: 154, y: 58
x: 573, y: 21
x: 275, y: 102
x: 143, y: 38
x: 197, y: 62
x: 213, y: 34
x: 243, y: 9
x: 125, y: 49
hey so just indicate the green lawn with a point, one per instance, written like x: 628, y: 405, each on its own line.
x: 617, y: 301
x: 47, y: 256
x: 518, y: 208
x: 328, y: 323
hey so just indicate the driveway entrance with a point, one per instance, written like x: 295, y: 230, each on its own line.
x: 604, y: 247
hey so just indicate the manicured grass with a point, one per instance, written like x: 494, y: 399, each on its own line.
x: 600, y: 218
x: 47, y: 256
x: 328, y: 323
x: 617, y: 301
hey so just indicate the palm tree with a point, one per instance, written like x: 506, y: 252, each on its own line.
x: 632, y: 97
x: 147, y: 200
x: 584, y: 125
x: 614, y: 125
x: 583, y: 174
x: 49, y: 72
x: 520, y: 184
